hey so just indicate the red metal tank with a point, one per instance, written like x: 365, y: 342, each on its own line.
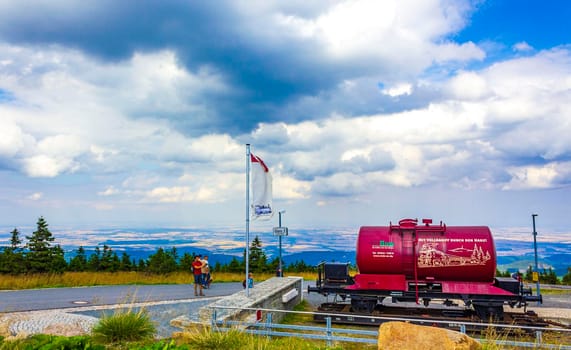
x: 436, y: 252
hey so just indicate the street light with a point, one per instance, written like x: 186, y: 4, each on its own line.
x: 535, y: 250
x: 280, y: 269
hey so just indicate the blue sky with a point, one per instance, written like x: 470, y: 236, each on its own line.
x: 137, y: 113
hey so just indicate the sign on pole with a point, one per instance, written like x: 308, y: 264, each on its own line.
x: 280, y: 231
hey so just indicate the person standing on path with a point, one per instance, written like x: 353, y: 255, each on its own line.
x: 197, y: 271
x: 205, y: 272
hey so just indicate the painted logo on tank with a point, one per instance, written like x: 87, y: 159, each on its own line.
x: 383, y: 249
x: 383, y: 244
x: 430, y: 255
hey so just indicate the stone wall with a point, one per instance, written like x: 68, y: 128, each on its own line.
x: 264, y: 295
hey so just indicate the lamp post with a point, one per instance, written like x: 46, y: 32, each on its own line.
x: 280, y: 268
x: 535, y: 250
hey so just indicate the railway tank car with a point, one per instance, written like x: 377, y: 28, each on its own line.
x: 424, y: 263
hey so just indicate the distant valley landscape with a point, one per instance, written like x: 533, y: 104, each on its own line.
x: 309, y: 245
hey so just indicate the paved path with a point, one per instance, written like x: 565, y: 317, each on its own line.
x: 74, y: 311
x: 60, y: 298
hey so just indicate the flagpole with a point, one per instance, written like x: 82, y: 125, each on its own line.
x: 247, y: 217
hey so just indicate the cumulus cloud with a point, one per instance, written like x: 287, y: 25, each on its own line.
x: 46, y: 166
x: 547, y: 176
x: 342, y: 99
x: 11, y: 138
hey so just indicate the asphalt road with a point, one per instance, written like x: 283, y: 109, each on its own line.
x: 60, y: 298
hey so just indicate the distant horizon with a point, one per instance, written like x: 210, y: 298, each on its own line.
x: 506, y: 233
x: 514, y: 246
x: 233, y: 237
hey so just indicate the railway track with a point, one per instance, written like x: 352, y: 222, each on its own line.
x: 444, y: 318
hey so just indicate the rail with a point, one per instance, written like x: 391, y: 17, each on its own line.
x: 257, y: 324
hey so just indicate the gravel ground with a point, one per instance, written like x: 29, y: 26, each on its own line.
x: 80, y: 320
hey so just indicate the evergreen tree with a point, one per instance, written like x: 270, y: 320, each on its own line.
x: 548, y: 277
x: 142, y: 266
x: 162, y: 261
x: 12, y: 260
x: 126, y: 264
x: 217, y: 267
x: 274, y: 265
x: 15, y: 241
x: 109, y: 261
x: 58, y: 264
x: 94, y: 260
x: 235, y: 266
x: 42, y: 256
x: 567, y: 278
x: 186, y: 262
x: 258, y: 259
x: 79, y: 262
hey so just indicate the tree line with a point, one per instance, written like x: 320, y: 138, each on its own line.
x: 41, y: 255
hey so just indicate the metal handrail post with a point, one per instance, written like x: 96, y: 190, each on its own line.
x: 328, y: 331
x: 269, y: 324
x: 213, y: 326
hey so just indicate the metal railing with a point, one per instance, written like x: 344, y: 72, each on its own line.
x: 260, y: 322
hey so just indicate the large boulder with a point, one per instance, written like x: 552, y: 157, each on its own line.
x: 402, y: 335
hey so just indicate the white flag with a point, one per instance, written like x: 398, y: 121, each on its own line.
x: 261, y: 189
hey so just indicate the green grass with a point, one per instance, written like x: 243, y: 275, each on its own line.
x: 204, y: 339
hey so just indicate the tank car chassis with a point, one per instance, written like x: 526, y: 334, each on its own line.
x: 334, y: 280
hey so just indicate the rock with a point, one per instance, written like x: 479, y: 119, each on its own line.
x: 401, y: 336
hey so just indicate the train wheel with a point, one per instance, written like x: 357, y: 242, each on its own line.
x: 363, y: 304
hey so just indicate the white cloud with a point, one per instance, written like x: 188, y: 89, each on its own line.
x: 398, y: 90
x: 468, y: 86
x: 287, y: 187
x: 403, y: 34
x: 36, y: 196
x: 46, y: 166
x: 522, y: 46
x: 546, y: 176
x: 11, y: 137
x: 109, y: 191
x: 182, y: 194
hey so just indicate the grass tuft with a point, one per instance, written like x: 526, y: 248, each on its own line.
x: 124, y: 326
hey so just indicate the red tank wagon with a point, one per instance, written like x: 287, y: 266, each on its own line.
x: 424, y: 262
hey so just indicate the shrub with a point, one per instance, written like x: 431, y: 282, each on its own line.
x: 124, y: 326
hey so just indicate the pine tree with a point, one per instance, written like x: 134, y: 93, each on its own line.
x: 13, y: 257
x: 235, y: 266
x: 162, y: 261
x: 94, y: 260
x: 42, y: 256
x: 186, y: 262
x: 258, y: 259
x: 126, y: 263
x: 15, y: 240
x: 109, y: 261
x: 79, y: 262
x: 567, y: 278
